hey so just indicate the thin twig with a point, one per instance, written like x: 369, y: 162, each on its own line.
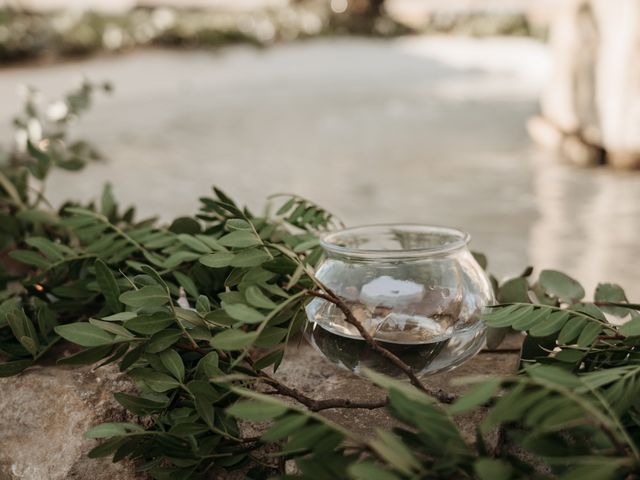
x: 627, y: 305
x: 311, y: 403
x: 329, y: 296
x: 501, y: 441
x: 179, y: 322
x: 317, y: 405
x: 611, y: 337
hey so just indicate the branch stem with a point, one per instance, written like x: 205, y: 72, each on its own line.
x: 315, y: 405
x: 330, y: 296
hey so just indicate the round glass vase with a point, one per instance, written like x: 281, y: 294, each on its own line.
x: 416, y: 289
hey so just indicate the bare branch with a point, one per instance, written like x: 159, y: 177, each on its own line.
x: 317, y: 405
x: 330, y: 296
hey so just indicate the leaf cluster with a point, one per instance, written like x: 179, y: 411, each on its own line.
x: 196, y: 311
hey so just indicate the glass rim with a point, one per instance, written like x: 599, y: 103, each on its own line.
x: 458, y: 239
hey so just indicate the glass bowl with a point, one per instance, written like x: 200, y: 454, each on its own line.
x: 416, y: 289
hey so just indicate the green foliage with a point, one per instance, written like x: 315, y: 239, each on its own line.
x: 61, y: 33
x: 195, y: 312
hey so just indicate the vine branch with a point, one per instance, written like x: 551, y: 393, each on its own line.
x: 330, y: 296
x: 315, y: 405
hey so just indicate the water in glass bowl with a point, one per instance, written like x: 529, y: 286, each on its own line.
x: 427, y: 344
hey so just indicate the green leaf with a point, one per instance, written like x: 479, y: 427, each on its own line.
x: 120, y: 317
x: 108, y: 286
x: 187, y: 283
x: 203, y: 305
x: 481, y: 258
x: 394, y: 451
x: 150, y: 324
x: 106, y: 448
x: 42, y: 164
x: 270, y: 337
x: 29, y: 344
x: 180, y: 257
x: 190, y: 316
x: 48, y: 248
x: 504, y: 316
x: 284, y: 427
x: 250, y: 258
x: 23, y: 329
x: 549, y: 325
x: 240, y: 239
x: 84, y: 334
x: 37, y: 216
x: 205, y: 409
x: 610, y: 292
x: 257, y: 298
x: 8, y: 369
x: 162, y: 340
x: 571, y: 330
x: 87, y: 356
x: 107, y: 202
x: 515, y: 290
x: 211, y: 242
x: 106, y: 430
x: 367, y: 470
x: 209, y: 366
x: 493, y: 469
x: 631, y: 328
x: 111, y: 327
x: 217, y: 260
x: 603, y: 470
x: 254, y: 410
x: 146, y: 297
x: 243, y: 313
x: 233, y: 339
x: 30, y: 258
x: 306, y: 245
x: 560, y: 285
x: 554, y: 375
x: 405, y: 388
x: 185, y: 225
x: 238, y: 224
x: 138, y: 405
x: 194, y: 243
x: 589, y: 334
x: 306, y: 439
x: 172, y: 361
x: 272, y: 358
x: 478, y: 396
x: 187, y: 429
x: 160, y: 382
x: 286, y: 206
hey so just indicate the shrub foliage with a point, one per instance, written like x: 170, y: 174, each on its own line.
x: 199, y: 312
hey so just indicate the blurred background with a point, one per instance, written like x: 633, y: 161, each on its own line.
x: 515, y: 120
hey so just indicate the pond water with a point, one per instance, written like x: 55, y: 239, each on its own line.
x: 428, y: 130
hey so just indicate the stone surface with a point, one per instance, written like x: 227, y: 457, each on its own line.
x: 45, y: 411
x: 43, y: 415
x: 308, y: 371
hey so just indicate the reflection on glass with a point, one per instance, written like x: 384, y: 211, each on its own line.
x: 417, y: 290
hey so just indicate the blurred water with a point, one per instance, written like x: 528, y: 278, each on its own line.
x: 422, y: 130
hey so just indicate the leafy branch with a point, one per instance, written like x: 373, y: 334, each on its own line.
x: 199, y: 314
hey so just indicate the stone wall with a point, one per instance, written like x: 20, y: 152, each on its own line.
x: 43, y: 415
x: 45, y: 410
